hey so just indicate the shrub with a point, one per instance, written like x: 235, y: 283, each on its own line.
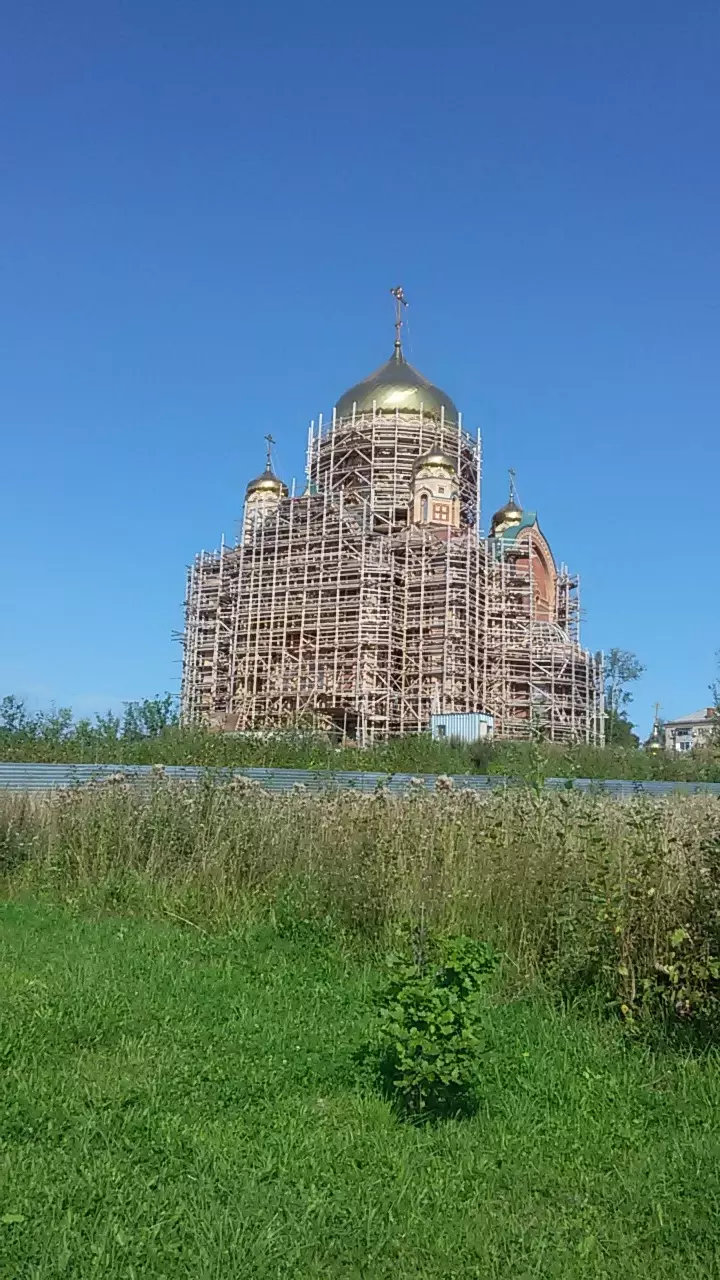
x: 429, y: 1041
x: 688, y: 984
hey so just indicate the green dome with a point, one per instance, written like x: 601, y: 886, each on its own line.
x: 396, y: 385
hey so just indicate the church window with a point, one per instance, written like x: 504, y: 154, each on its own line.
x: 441, y: 512
x: 424, y: 508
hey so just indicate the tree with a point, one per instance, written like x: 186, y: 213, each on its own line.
x: 149, y: 717
x: 14, y: 715
x: 54, y: 725
x: 715, y: 691
x: 623, y: 733
x: 621, y: 668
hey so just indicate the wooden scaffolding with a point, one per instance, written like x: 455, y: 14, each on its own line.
x: 335, y: 610
x: 538, y: 679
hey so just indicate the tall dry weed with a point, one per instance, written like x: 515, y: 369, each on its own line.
x: 580, y: 889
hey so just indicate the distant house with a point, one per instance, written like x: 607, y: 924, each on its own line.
x: 691, y: 731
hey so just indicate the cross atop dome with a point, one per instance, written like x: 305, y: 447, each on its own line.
x: 400, y: 302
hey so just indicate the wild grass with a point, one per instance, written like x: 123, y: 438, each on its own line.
x: 580, y: 891
x: 148, y: 733
x: 181, y: 1102
x: 412, y: 754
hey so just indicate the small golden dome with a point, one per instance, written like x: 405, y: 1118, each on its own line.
x: 434, y: 458
x: 268, y: 483
x: 507, y: 517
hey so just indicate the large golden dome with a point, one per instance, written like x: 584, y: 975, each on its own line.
x: 396, y: 385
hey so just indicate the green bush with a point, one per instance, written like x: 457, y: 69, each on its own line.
x: 429, y: 1040
x: 531, y: 760
x: 687, y: 985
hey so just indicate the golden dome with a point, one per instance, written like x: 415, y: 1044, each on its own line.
x: 508, y: 516
x: 435, y: 458
x: 654, y: 742
x: 396, y: 385
x: 269, y: 483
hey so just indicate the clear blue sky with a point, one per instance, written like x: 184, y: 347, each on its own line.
x: 203, y: 208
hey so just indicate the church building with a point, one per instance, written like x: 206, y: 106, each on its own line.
x: 371, y: 600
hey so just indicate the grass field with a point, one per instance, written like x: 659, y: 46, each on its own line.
x: 185, y: 976
x: 179, y: 1103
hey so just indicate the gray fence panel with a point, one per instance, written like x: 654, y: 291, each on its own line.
x: 628, y: 787
x: 50, y: 777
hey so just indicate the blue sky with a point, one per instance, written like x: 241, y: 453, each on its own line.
x: 203, y: 209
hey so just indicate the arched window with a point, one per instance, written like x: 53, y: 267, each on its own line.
x: 543, y: 586
x: 424, y: 508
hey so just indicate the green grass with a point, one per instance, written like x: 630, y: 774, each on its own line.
x: 181, y: 1103
x: 413, y: 754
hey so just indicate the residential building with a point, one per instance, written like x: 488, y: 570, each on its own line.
x: 695, y: 730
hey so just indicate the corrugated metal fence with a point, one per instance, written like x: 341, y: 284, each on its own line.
x: 49, y: 777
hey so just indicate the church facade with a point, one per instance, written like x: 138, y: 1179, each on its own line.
x: 371, y: 600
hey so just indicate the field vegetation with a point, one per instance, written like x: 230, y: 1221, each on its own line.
x: 582, y: 892
x: 148, y: 733
x: 190, y: 986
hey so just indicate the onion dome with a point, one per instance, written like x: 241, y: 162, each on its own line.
x: 267, y: 483
x: 508, y: 516
x: 654, y: 742
x: 435, y: 458
x: 396, y: 385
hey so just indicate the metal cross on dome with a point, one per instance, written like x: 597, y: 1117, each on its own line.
x: 400, y: 302
x: 268, y: 460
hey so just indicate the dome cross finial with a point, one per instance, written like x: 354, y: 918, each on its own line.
x: 400, y: 302
x: 268, y: 456
x: 513, y: 497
